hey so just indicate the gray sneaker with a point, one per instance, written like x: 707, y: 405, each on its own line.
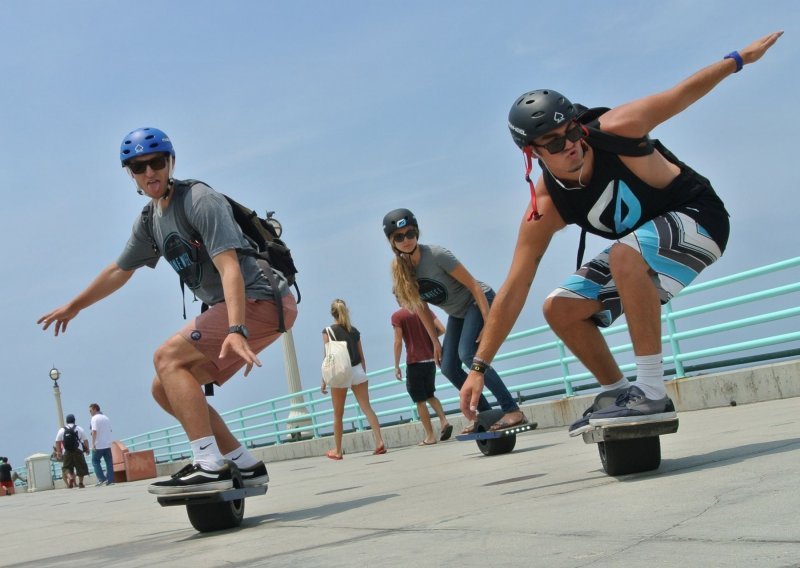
x: 603, y: 399
x: 634, y: 406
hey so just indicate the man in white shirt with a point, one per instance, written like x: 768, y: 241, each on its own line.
x: 101, y: 445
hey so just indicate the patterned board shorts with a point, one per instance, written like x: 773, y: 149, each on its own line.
x: 675, y: 247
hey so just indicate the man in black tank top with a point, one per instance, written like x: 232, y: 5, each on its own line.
x: 604, y: 174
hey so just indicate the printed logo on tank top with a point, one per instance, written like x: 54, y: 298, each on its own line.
x: 618, y: 202
x: 432, y: 291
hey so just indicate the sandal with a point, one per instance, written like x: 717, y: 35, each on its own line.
x: 447, y: 431
x: 504, y: 422
x: 469, y: 429
x: 379, y: 450
x: 332, y: 454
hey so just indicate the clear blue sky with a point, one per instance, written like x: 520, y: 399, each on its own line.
x: 332, y: 114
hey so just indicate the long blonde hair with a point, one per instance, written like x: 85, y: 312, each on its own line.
x: 341, y: 314
x: 404, y: 280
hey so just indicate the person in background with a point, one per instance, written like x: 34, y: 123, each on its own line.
x: 101, y: 446
x: 431, y: 274
x: 343, y: 330
x: 71, y: 445
x: 420, y: 370
x: 6, y: 481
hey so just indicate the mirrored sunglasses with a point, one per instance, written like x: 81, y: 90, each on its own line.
x: 573, y: 134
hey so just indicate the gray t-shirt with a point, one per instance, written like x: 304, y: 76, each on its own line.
x: 209, y: 216
x: 437, y: 287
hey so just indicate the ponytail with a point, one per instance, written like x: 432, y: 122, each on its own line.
x: 341, y: 314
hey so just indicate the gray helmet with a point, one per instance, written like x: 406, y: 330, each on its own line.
x: 398, y: 219
x: 536, y: 113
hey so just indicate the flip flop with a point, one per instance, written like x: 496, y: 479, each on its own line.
x: 424, y: 443
x: 446, y: 432
x: 332, y: 454
x: 379, y: 451
x: 469, y: 429
x: 502, y: 424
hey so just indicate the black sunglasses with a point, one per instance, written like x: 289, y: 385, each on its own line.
x: 573, y: 134
x: 410, y: 234
x: 157, y: 163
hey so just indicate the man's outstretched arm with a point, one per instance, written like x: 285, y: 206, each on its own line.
x: 639, y: 117
x: 111, y: 279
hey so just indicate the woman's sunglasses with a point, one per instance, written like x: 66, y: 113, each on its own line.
x: 410, y: 234
x: 157, y: 163
x: 573, y: 134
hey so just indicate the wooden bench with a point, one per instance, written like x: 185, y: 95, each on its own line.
x: 132, y: 466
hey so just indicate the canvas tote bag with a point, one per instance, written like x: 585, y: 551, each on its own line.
x: 336, y: 367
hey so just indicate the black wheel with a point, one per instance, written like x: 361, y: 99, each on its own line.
x: 495, y: 446
x: 630, y: 456
x: 211, y: 517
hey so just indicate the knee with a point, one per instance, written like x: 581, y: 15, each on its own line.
x: 162, y: 359
x: 159, y: 394
x: 167, y: 358
x: 624, y: 261
x: 554, y: 313
x: 450, y: 367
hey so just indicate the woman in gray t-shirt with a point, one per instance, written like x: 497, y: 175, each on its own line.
x: 430, y: 274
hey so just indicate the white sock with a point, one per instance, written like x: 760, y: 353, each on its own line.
x: 206, y: 453
x: 650, y: 376
x: 242, y: 457
x: 620, y: 384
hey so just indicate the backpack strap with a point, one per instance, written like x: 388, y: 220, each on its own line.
x: 147, y: 221
x: 180, y: 188
x: 624, y: 146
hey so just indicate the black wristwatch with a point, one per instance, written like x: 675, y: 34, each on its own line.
x: 240, y: 329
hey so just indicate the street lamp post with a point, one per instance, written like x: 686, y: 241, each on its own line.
x: 55, y: 374
x: 298, y: 417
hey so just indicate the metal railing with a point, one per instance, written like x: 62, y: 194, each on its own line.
x: 755, y: 315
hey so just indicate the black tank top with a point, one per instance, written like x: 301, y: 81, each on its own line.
x: 616, y: 202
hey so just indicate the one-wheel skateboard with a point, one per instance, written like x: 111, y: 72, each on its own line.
x: 630, y: 448
x: 215, y: 510
x: 499, y: 441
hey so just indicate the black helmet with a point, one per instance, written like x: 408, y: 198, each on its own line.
x: 398, y: 219
x: 536, y: 113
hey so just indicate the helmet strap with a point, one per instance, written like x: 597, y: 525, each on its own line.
x: 528, y: 156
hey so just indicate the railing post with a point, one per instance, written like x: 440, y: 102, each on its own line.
x: 562, y: 356
x: 674, y: 345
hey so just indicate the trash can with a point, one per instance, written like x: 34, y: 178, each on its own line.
x: 40, y: 477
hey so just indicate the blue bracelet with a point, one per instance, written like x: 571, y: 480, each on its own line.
x: 737, y: 58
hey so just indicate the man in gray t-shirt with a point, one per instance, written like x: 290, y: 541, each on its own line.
x: 207, y: 249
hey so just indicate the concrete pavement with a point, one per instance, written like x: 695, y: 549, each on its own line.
x: 727, y: 494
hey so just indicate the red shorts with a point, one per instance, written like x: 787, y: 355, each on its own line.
x: 208, y: 330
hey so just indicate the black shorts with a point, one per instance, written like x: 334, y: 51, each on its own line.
x: 74, y: 460
x: 421, y: 380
